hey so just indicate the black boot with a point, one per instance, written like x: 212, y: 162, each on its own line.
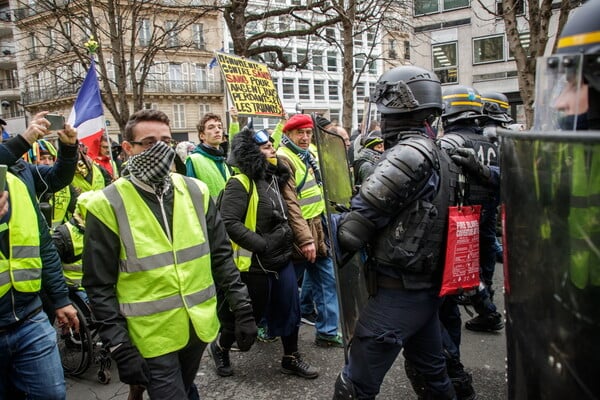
x: 491, y: 322
x: 343, y: 389
x: 417, y: 380
x: 461, y: 380
x: 295, y: 365
x: 221, y: 359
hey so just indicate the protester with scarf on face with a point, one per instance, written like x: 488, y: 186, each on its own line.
x: 256, y: 219
x: 156, y: 252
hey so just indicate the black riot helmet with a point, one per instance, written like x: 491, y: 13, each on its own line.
x: 496, y: 107
x: 407, y: 89
x: 461, y: 103
x: 568, y: 82
x: 406, y: 96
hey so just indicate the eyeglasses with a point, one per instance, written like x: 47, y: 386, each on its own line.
x: 151, y: 141
x: 261, y: 137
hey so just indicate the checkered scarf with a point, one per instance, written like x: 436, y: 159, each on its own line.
x: 152, y: 166
x: 306, y: 156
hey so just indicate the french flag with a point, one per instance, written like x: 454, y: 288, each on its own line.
x: 87, y: 115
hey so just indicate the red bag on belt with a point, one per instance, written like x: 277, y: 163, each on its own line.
x: 461, y: 270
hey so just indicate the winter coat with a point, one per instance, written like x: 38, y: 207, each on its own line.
x: 271, y: 243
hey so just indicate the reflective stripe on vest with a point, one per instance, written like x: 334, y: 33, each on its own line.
x: 207, y: 171
x: 23, y: 268
x: 584, y: 217
x: 97, y: 180
x: 241, y: 256
x: 163, y: 283
x: 310, y: 197
x: 74, y: 272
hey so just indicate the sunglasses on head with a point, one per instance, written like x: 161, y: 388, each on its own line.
x: 261, y: 137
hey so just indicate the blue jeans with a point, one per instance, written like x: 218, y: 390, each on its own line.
x: 319, y: 287
x: 391, y: 321
x: 30, y: 361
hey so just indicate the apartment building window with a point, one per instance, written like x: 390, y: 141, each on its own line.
x: 319, y: 89
x: 198, y: 36
x: 201, y: 77
x: 359, y: 63
x: 288, y: 88
x: 525, y: 38
x: 150, y: 106
x: 172, y: 36
x: 519, y: 8
x: 360, y: 90
x: 287, y: 55
x: 432, y: 6
x: 32, y: 46
x: 371, y: 36
x: 334, y: 115
x: 203, y: 109
x: 406, y: 50
x: 332, y: 65
x: 488, y: 49
x: 334, y: 90
x: 145, y: 32
x: 317, y: 60
x: 304, y: 89
x: 178, y: 116
x: 373, y: 66
x: 392, y: 51
x: 358, y: 39
x: 302, y: 55
x: 445, y: 62
x: 330, y: 34
x: 176, y: 76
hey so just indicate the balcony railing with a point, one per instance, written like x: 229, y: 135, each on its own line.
x: 151, y: 87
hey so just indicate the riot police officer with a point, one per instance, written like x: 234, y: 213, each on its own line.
x: 551, y: 191
x: 495, y: 108
x: 461, y: 118
x: 411, y: 187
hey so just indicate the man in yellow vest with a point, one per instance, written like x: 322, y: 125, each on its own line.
x: 207, y: 161
x: 30, y: 364
x: 317, y: 265
x: 155, y: 252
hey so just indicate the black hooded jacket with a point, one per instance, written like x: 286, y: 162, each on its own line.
x: 271, y: 244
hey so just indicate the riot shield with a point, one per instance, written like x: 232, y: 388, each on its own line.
x: 550, y: 187
x: 350, y: 280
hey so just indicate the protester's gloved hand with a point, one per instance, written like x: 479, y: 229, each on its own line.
x: 132, y: 367
x: 245, y: 327
x: 467, y: 159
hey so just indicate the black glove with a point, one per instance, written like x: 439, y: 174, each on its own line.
x: 354, y: 232
x: 132, y: 367
x: 467, y: 159
x: 245, y: 327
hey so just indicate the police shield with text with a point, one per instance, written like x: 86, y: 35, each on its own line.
x: 400, y: 217
x: 551, y: 196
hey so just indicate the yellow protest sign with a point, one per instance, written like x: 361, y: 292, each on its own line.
x: 250, y: 86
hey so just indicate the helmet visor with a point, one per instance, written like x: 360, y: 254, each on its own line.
x: 560, y: 93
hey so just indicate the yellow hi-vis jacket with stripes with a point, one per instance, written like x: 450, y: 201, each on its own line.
x: 241, y: 256
x: 163, y: 283
x: 73, y: 272
x: 97, y: 180
x: 310, y: 196
x: 23, y: 268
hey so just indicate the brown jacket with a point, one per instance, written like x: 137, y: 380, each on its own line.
x: 305, y: 231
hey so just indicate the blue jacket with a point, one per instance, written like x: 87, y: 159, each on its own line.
x: 16, y: 305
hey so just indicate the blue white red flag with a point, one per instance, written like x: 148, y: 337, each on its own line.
x: 87, y: 115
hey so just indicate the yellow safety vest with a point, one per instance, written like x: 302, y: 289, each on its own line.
x: 163, y: 283
x: 97, y: 180
x: 23, y: 268
x: 60, y: 203
x: 207, y: 171
x: 241, y: 256
x: 72, y: 271
x: 584, y: 217
x: 310, y: 197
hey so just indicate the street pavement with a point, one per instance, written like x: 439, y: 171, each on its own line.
x: 257, y: 376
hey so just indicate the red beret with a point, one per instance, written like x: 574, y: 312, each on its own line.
x: 298, y: 121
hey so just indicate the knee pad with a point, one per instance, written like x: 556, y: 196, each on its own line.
x: 343, y: 389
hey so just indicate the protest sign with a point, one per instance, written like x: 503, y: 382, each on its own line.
x: 250, y: 86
